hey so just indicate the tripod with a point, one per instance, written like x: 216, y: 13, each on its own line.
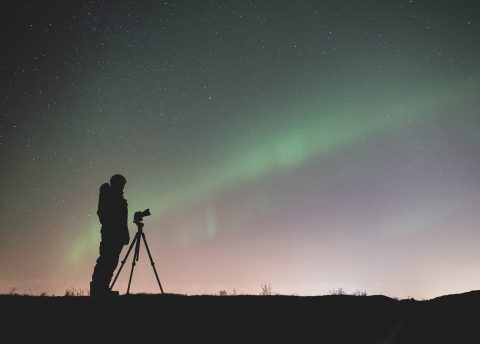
x: 136, y: 241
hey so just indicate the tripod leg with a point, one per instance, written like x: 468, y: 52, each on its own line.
x: 124, y: 260
x: 135, y: 258
x: 151, y: 261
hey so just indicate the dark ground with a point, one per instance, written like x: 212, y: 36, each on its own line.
x: 167, y: 318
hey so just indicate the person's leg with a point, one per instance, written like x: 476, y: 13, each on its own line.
x: 114, y: 254
x: 99, y: 283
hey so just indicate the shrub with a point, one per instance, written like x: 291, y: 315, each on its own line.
x: 338, y: 291
x: 359, y: 293
x: 75, y: 292
x: 266, y: 289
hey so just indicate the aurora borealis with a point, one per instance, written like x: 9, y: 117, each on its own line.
x: 310, y: 145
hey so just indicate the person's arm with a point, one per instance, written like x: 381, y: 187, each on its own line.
x: 124, y: 229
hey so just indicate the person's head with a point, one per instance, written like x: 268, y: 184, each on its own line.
x: 118, y: 182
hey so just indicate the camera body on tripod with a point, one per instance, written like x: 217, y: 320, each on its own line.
x: 139, y: 215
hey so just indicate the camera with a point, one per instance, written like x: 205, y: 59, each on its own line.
x: 140, y: 214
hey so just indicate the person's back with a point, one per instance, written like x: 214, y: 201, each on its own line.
x: 104, y: 208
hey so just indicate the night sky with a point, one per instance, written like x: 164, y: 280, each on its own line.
x: 309, y: 145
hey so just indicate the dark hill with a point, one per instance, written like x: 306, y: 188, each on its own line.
x: 167, y: 318
x: 446, y: 319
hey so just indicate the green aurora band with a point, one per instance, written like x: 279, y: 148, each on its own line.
x: 304, y: 134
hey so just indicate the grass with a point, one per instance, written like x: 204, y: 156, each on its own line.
x: 265, y: 290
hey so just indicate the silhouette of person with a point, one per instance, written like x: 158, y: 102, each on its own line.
x: 113, y: 215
